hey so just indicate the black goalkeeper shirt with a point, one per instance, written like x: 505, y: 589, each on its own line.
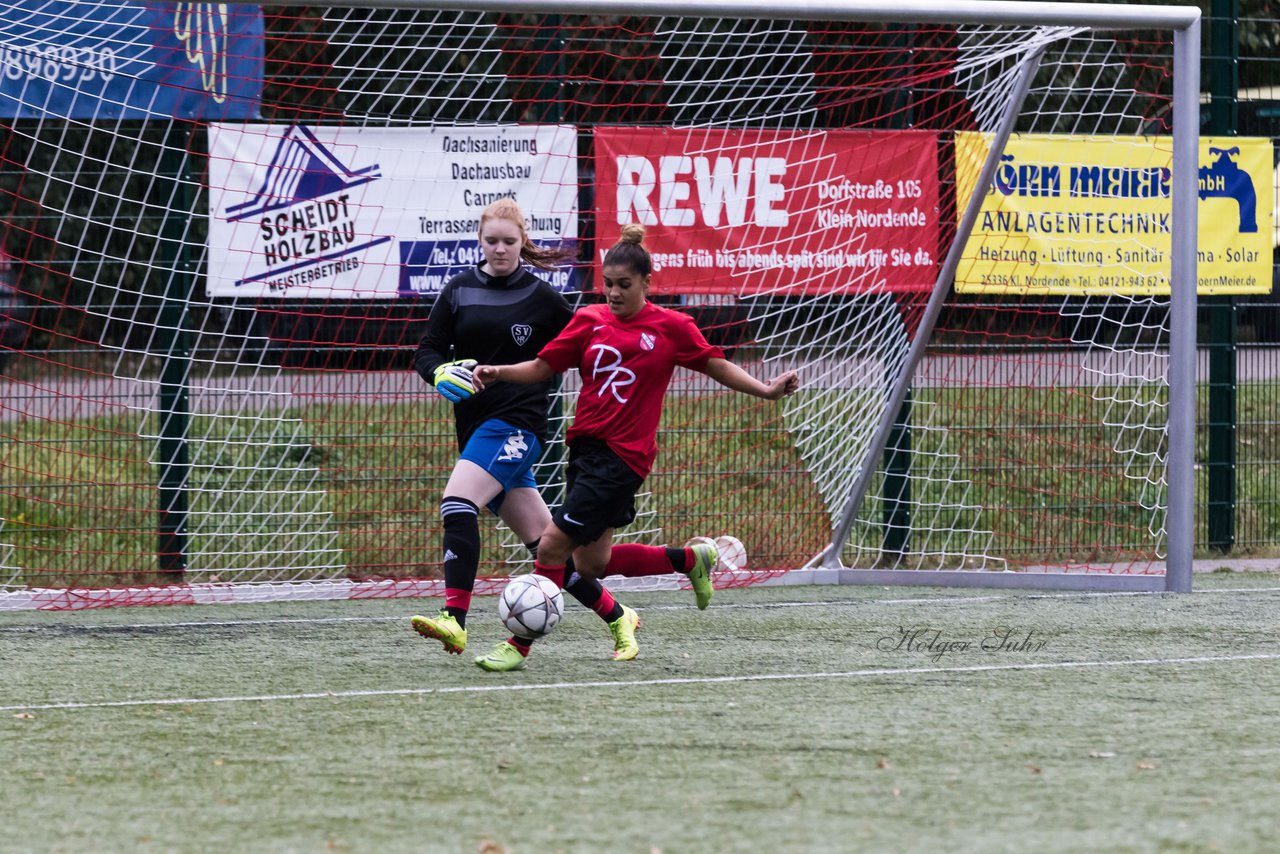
x: 496, y: 320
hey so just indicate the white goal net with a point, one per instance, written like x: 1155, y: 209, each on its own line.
x: 226, y: 226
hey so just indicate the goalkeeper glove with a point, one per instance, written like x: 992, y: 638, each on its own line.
x: 453, y: 380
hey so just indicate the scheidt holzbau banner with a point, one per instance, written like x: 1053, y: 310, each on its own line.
x: 746, y: 212
x: 1091, y: 215
x: 360, y: 213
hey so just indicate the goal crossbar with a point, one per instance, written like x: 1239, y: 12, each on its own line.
x: 1100, y: 16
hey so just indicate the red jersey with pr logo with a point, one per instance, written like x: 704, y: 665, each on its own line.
x: 626, y: 366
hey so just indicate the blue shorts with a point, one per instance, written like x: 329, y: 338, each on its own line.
x: 505, y: 452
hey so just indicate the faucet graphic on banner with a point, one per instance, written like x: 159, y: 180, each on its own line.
x: 1226, y: 180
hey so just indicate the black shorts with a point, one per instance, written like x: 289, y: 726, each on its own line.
x: 600, y: 493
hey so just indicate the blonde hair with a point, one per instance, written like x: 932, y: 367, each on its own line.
x: 630, y: 251
x: 530, y: 252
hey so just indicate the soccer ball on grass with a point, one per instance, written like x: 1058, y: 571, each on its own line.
x: 531, y: 606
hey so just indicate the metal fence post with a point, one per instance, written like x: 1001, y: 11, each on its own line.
x: 173, y: 347
x: 549, y: 473
x: 1223, y: 315
x: 895, y: 491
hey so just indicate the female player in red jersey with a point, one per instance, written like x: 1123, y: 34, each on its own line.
x: 498, y: 311
x: 626, y: 351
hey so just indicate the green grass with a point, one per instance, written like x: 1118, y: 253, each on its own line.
x: 778, y: 720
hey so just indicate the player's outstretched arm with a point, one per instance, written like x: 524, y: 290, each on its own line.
x: 731, y: 376
x: 533, y: 371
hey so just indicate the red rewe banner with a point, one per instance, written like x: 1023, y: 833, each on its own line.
x: 748, y: 212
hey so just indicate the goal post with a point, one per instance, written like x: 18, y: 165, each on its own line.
x: 970, y: 226
x: 1182, y: 368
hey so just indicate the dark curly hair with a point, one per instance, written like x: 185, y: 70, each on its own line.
x: 629, y: 251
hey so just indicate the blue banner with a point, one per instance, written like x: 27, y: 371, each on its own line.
x: 130, y: 60
x: 425, y: 266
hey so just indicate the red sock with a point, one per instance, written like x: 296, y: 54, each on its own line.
x: 605, y: 604
x: 555, y: 573
x: 457, y: 598
x: 522, y: 645
x: 635, y: 561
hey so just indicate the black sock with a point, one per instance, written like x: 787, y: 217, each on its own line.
x: 676, y: 556
x: 588, y: 591
x: 461, y: 543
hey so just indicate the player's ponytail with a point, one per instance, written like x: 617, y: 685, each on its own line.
x: 530, y: 252
x: 630, y: 252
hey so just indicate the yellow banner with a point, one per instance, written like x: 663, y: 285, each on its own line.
x: 1090, y: 215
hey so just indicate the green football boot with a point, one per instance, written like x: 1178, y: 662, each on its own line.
x: 444, y: 628
x: 705, y: 558
x: 624, y: 628
x: 501, y: 658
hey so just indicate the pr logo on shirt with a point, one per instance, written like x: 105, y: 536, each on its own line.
x: 521, y: 332
x: 648, y: 341
x: 618, y: 376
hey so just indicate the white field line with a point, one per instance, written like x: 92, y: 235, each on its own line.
x: 648, y: 683
x: 827, y: 603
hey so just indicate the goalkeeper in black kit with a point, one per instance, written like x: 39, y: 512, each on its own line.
x: 499, y: 313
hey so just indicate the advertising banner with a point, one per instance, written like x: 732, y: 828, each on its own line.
x: 1073, y: 215
x: 130, y: 60
x: 740, y: 212
x: 362, y: 213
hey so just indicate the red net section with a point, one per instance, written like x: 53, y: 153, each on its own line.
x: 215, y: 276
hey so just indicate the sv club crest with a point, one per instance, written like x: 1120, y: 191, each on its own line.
x: 521, y: 332
x: 648, y: 341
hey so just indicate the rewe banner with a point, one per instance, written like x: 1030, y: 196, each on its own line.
x: 740, y: 212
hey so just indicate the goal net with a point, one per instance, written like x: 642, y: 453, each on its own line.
x: 224, y: 227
